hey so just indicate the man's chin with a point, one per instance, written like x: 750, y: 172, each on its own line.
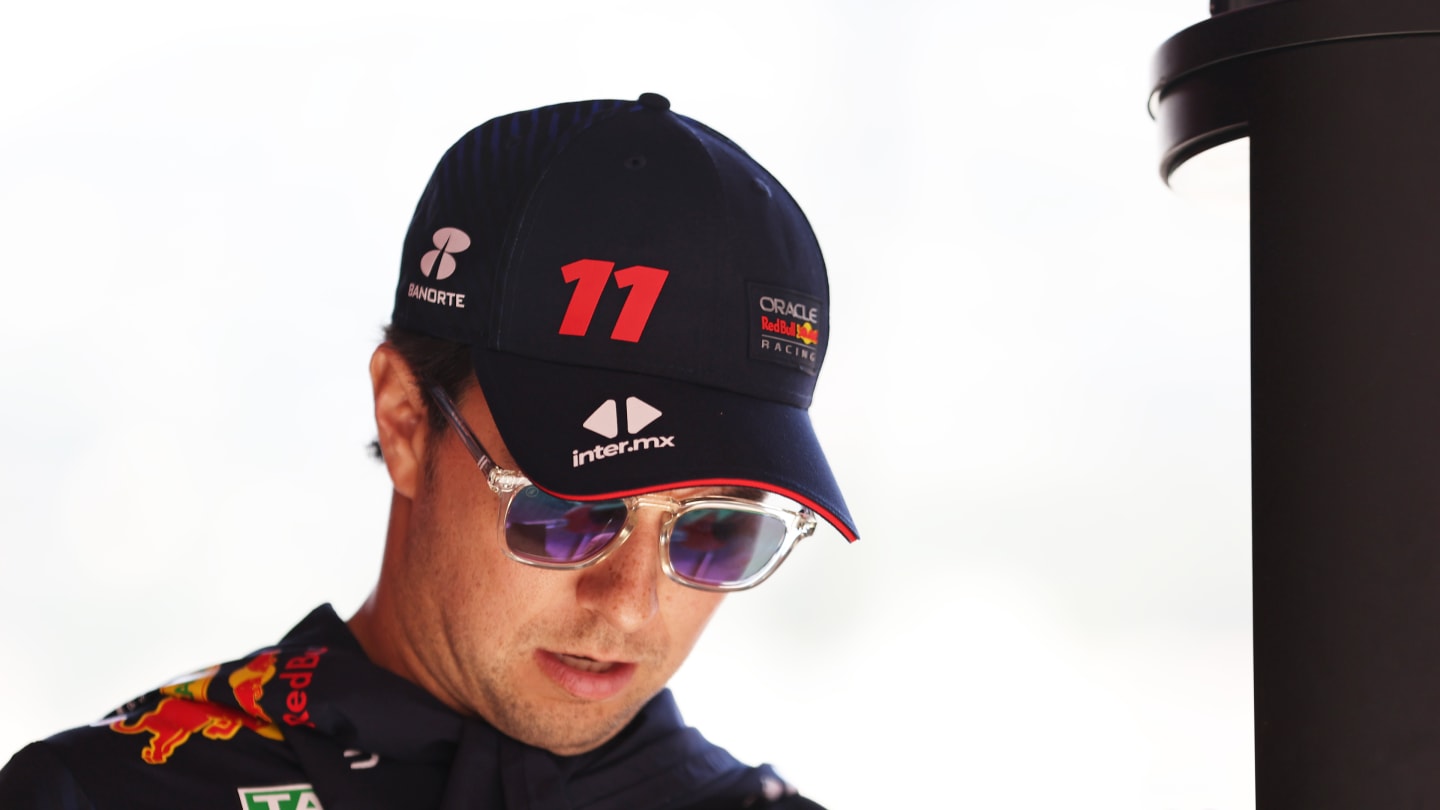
x: 569, y: 727
x: 578, y: 739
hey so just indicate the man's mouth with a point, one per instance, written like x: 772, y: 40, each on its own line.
x: 586, y: 664
x: 584, y: 677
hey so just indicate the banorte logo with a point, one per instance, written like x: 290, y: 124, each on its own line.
x: 440, y: 262
x: 185, y: 712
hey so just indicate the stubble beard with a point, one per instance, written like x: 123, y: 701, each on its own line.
x: 557, y: 724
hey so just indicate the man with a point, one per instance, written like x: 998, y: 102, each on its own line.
x: 591, y: 402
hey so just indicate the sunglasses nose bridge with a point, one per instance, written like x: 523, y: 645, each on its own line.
x: 667, y: 506
x: 638, y: 505
x: 662, y: 502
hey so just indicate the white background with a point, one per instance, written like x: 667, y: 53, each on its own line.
x: 1036, y: 393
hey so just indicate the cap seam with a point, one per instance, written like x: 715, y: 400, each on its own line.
x: 518, y: 220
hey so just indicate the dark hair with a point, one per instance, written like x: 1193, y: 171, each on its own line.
x: 433, y: 362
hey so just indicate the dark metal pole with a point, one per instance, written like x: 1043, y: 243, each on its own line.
x: 1340, y: 101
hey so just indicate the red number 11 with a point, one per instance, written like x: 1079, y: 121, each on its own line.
x: 592, y: 275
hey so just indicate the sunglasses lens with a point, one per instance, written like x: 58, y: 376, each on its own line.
x: 546, y: 529
x: 724, y: 546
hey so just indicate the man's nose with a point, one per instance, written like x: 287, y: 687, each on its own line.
x: 623, y: 587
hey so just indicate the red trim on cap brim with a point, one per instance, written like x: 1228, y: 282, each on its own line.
x: 845, y: 532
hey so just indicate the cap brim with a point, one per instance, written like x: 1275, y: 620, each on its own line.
x: 685, y: 435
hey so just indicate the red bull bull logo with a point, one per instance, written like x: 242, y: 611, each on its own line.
x: 249, y: 681
x: 175, y: 720
x: 185, y: 710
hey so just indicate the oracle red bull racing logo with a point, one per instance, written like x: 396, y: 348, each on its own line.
x: 185, y: 710
x: 788, y: 328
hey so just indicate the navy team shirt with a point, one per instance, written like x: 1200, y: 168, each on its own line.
x: 311, y: 723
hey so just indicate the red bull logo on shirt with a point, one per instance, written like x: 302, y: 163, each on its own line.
x: 249, y: 681
x: 175, y: 720
x: 184, y: 711
x: 298, y: 673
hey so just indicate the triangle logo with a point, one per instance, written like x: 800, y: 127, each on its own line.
x: 605, y: 420
x: 639, y: 413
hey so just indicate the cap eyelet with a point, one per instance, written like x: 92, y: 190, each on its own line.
x: 635, y: 162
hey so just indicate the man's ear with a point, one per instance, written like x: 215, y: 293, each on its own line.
x: 400, y: 418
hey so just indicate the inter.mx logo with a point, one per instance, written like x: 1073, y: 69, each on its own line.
x: 606, y: 422
x: 279, y: 797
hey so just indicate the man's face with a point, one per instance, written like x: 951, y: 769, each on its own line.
x: 558, y: 659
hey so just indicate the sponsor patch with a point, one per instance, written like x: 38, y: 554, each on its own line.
x: 438, y: 265
x: 786, y: 327
x: 279, y: 797
x: 606, y: 422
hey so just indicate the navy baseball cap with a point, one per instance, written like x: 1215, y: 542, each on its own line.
x: 647, y: 307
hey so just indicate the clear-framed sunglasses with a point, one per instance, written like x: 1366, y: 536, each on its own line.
x: 712, y: 538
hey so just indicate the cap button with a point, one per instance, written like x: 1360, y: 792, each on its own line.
x: 654, y: 101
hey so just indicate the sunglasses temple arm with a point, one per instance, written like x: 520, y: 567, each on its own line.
x: 477, y: 450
